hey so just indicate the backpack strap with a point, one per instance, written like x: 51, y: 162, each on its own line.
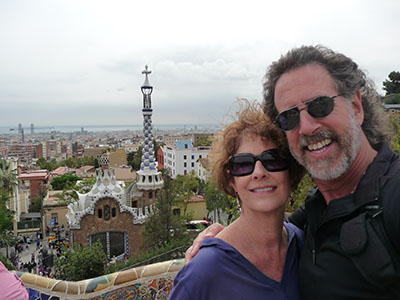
x: 365, y: 240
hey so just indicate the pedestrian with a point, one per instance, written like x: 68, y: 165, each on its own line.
x: 336, y: 129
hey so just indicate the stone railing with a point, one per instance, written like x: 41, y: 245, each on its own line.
x: 145, y: 282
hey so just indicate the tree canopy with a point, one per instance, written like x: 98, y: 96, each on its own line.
x: 162, y: 226
x: 81, y: 263
x: 203, y: 140
x: 64, y: 181
x: 392, y: 86
x: 8, y: 177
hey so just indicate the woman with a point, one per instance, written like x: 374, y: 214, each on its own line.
x: 256, y: 256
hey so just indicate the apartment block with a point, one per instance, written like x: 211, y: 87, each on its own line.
x: 183, y: 158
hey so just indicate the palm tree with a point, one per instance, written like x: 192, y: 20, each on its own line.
x: 8, y: 177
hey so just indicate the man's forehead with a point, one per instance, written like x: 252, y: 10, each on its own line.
x: 302, y: 84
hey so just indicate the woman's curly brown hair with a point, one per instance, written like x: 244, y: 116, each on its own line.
x: 250, y: 121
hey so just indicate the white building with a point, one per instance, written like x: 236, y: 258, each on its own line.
x: 183, y: 158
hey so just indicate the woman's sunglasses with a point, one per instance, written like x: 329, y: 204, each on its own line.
x: 317, y: 108
x: 243, y: 164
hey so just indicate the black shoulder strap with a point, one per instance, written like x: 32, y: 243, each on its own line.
x: 365, y: 240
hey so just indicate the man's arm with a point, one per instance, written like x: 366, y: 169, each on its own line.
x: 210, y: 231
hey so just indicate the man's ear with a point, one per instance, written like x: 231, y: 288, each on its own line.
x: 358, y: 110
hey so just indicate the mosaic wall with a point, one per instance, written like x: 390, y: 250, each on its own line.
x: 143, y: 283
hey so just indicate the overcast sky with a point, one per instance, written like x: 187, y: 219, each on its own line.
x: 77, y: 62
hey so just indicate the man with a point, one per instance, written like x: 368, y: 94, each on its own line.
x: 336, y: 130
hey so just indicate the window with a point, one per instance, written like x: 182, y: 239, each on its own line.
x: 176, y: 212
x: 54, y: 216
x: 135, y: 204
x: 99, y: 213
x: 150, y: 195
x: 192, y: 164
x: 192, y: 156
x: 184, y: 165
x: 106, y: 212
x: 113, y: 212
x: 200, y: 156
x: 184, y: 172
x: 184, y: 157
x: 186, y: 146
x: 116, y: 243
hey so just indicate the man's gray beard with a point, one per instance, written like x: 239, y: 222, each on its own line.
x: 332, y: 167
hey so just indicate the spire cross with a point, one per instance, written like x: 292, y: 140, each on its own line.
x: 145, y: 71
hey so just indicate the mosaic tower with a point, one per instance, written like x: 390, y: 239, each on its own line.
x: 148, y: 177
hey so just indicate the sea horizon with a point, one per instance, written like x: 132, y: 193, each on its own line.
x: 99, y: 128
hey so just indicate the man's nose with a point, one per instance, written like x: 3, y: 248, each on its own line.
x: 307, y: 125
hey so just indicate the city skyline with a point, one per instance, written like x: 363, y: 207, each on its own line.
x: 80, y: 62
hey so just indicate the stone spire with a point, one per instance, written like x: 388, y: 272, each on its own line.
x: 148, y: 178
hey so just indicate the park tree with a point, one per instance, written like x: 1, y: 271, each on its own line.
x: 7, y: 239
x: 8, y: 177
x: 81, y: 263
x: 36, y: 204
x: 392, y: 85
x: 162, y: 226
x: 45, y: 164
x: 204, y: 140
x: 134, y: 159
x: 65, y: 181
x: 184, y: 187
x: 219, y: 201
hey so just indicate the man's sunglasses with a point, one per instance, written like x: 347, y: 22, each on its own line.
x: 243, y: 164
x: 317, y: 108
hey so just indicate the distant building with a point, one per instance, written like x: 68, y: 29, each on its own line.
x: 204, y: 170
x: 160, y: 158
x: 183, y: 158
x: 24, y: 152
x: 196, y: 205
x: 393, y: 108
x: 85, y: 171
x: 118, y: 158
x: 34, y: 183
x: 95, y: 151
x: 54, y: 208
x: 3, y: 151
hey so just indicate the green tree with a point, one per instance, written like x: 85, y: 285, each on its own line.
x: 162, y: 226
x: 49, y: 165
x: 299, y: 195
x: 135, y: 159
x: 7, y: 239
x: 392, y: 99
x: 8, y: 177
x: 36, y: 204
x: 217, y: 200
x: 184, y: 187
x: 203, y: 140
x: 81, y: 263
x: 64, y: 181
x: 395, y: 143
x: 392, y: 86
